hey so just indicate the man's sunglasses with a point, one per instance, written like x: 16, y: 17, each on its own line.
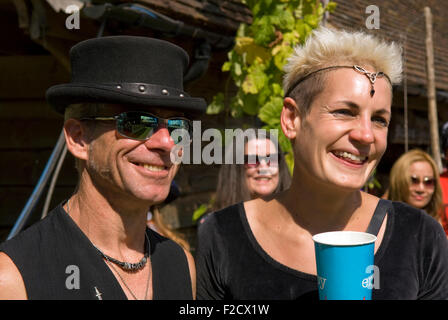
x: 254, y: 160
x: 141, y: 126
x: 427, y: 181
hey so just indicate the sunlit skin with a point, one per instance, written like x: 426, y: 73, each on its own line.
x: 263, y: 179
x: 419, y: 194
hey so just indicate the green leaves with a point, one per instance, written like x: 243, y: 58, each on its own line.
x: 265, y: 30
x: 372, y: 182
x: 331, y: 6
x: 217, y: 104
x: 282, y: 52
x: 249, y: 51
x: 256, y: 62
x: 256, y: 78
x: 270, y: 112
x: 199, y: 212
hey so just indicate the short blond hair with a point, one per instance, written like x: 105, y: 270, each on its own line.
x: 329, y: 47
x: 77, y: 111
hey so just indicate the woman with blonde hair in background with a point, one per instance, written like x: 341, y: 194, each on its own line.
x: 414, y: 180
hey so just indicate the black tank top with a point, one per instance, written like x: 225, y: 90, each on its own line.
x: 52, y: 253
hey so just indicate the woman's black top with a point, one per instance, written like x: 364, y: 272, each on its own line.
x: 412, y: 259
x: 52, y: 253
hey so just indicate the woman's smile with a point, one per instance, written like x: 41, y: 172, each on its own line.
x: 345, y: 130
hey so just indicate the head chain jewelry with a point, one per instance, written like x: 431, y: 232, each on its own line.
x: 372, y: 76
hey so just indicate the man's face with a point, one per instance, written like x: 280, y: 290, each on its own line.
x: 125, y: 168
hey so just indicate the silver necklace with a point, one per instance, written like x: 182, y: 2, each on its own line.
x: 128, y: 266
x: 124, y: 282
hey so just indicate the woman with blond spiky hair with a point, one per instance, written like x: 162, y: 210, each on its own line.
x: 336, y: 112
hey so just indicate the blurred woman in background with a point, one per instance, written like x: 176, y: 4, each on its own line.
x: 414, y: 180
x: 263, y: 172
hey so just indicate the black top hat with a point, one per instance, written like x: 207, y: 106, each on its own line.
x: 126, y: 70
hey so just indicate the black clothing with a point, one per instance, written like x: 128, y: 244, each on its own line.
x: 412, y: 260
x: 50, y: 252
x: 379, y: 214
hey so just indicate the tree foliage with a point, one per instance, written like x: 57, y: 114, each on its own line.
x: 256, y: 62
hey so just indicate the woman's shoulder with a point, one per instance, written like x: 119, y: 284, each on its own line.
x: 223, y: 221
x: 399, y: 209
x: 221, y: 214
x: 407, y: 211
x: 407, y: 217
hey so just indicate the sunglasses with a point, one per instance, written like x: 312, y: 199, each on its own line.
x: 254, y: 160
x: 141, y: 126
x: 427, y: 181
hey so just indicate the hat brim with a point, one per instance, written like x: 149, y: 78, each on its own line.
x: 60, y: 96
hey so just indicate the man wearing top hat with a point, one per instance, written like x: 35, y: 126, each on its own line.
x: 124, y: 99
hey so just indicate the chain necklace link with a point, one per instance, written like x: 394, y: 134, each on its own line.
x: 128, y: 266
x: 124, y: 282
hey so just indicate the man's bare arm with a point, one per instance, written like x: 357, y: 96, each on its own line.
x: 12, y: 286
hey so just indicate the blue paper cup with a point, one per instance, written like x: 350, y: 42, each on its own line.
x: 344, y: 261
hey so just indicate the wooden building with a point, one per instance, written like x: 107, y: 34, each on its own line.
x: 34, y: 56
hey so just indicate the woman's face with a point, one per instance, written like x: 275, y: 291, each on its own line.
x: 421, y: 184
x: 344, y: 135
x: 262, y: 176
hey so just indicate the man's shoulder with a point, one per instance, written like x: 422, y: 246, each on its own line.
x: 27, y: 248
x: 11, y: 282
x: 162, y: 245
x: 32, y: 236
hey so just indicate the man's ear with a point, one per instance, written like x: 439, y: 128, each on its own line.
x: 76, y: 138
x: 289, y: 118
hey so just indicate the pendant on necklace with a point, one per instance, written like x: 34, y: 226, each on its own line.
x: 98, y: 294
